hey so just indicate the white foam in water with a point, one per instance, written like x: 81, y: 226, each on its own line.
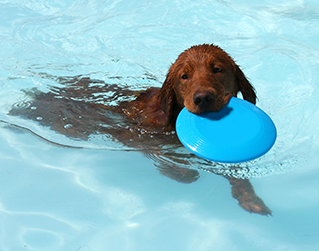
x: 88, y: 196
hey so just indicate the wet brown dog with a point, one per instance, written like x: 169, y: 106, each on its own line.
x: 202, y: 79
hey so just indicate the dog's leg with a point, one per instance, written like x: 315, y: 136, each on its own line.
x: 243, y: 191
x: 172, y: 167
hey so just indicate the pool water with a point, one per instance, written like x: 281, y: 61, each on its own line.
x: 66, y: 193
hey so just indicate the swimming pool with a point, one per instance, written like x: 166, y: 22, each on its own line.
x: 60, y: 193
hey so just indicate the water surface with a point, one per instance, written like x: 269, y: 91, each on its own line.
x: 61, y: 193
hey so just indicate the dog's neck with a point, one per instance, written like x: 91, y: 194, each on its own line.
x: 171, y: 121
x: 146, y: 111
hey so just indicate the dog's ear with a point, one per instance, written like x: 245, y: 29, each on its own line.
x: 244, y: 86
x: 167, y: 97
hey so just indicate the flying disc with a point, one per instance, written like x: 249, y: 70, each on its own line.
x: 240, y: 132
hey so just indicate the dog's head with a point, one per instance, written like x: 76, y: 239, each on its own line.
x: 203, y: 79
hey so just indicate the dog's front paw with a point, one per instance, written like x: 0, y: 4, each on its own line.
x: 243, y: 191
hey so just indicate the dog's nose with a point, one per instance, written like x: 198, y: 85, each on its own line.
x: 203, y: 99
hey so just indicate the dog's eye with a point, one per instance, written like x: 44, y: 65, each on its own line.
x: 185, y: 76
x: 217, y: 70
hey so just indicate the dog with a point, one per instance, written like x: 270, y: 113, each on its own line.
x: 202, y: 79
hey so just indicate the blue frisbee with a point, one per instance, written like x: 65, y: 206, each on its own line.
x: 238, y: 133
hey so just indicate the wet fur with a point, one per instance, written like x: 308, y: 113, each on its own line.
x: 154, y: 111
